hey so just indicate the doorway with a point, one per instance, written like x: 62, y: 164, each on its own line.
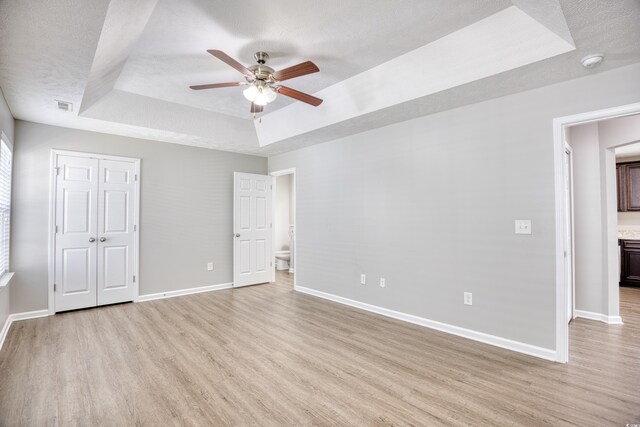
x: 94, y: 216
x: 284, y: 225
x: 606, y: 237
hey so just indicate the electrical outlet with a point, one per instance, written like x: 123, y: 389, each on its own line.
x: 210, y: 266
x: 363, y: 279
x: 382, y: 282
x: 523, y: 226
x: 468, y: 298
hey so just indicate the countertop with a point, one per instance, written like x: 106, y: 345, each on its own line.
x: 629, y: 234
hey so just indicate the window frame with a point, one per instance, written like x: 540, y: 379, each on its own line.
x: 7, y: 272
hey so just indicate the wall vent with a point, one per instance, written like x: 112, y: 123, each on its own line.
x: 64, y: 105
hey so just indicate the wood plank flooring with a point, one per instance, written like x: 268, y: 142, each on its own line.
x: 266, y: 355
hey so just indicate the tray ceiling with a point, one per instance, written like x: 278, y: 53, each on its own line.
x: 126, y: 66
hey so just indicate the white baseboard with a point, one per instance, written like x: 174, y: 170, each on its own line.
x: 16, y: 317
x: 543, y: 353
x: 189, y: 291
x: 611, y: 320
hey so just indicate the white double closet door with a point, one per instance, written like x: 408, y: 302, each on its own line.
x: 95, y: 236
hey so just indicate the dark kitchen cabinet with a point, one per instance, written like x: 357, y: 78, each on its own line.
x: 630, y: 262
x: 621, y: 184
x: 628, y: 181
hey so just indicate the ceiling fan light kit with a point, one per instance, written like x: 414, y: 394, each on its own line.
x: 260, y: 93
x: 263, y: 81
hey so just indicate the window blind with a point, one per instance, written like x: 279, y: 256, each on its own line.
x: 5, y: 204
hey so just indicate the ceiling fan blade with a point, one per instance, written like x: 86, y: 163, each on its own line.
x: 256, y: 108
x: 300, y: 96
x: 215, y: 85
x: 231, y: 62
x: 301, y: 69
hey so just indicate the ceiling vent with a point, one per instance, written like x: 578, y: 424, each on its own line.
x: 64, y: 105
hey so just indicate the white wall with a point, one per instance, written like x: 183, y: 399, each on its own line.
x: 629, y: 220
x: 6, y: 127
x: 186, y: 209
x: 429, y: 204
x: 282, y: 212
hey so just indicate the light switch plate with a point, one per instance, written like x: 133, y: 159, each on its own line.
x: 523, y: 226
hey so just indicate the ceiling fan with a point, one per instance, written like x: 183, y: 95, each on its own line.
x: 264, y: 82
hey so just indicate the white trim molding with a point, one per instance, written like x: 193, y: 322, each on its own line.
x: 19, y: 316
x: 6, y: 278
x: 181, y: 292
x: 531, y: 350
x: 611, y: 320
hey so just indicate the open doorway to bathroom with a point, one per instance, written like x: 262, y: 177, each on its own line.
x: 284, y: 225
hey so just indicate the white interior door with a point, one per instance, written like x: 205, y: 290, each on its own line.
x: 252, y: 227
x: 76, y: 225
x: 95, y: 235
x: 116, y: 238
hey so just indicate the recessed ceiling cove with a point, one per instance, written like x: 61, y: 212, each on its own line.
x: 127, y: 66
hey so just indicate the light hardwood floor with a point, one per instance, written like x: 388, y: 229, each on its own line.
x: 266, y: 355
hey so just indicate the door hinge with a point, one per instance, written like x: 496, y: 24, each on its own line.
x: 135, y: 177
x: 134, y: 279
x: 57, y: 170
x: 56, y: 228
x: 271, y: 225
x: 271, y: 187
x: 271, y: 264
x: 135, y: 227
x: 54, y: 287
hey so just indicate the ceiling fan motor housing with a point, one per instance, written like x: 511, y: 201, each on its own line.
x: 261, y: 57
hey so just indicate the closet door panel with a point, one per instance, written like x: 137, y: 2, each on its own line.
x: 116, y: 232
x: 76, y: 228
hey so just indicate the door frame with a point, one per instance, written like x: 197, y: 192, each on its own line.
x: 53, y: 180
x: 572, y: 257
x: 559, y: 125
x: 289, y: 171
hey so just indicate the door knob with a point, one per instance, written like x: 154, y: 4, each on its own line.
x: 103, y: 239
x: 237, y: 234
x: 92, y: 239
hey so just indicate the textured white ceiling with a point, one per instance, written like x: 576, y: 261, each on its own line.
x: 134, y: 72
x: 343, y: 38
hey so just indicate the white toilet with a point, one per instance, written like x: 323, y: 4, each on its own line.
x: 282, y: 259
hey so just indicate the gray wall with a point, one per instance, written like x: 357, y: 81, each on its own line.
x: 588, y: 218
x: 186, y: 209
x: 429, y: 204
x: 6, y: 126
